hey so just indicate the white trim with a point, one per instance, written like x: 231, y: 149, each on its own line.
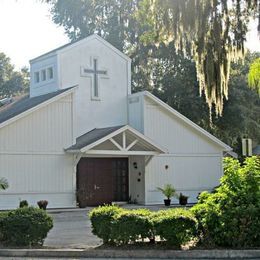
x: 33, y: 153
x: 124, y: 141
x: 85, y: 40
x: 132, y: 144
x: 191, y: 155
x: 94, y: 37
x: 34, y: 192
x: 183, y: 118
x: 121, y: 130
x: 111, y: 152
x: 43, y: 104
x: 116, y: 144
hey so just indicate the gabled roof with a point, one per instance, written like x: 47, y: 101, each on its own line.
x: 88, y: 142
x: 184, y: 119
x: 80, y: 41
x: 92, y: 136
x: 26, y: 104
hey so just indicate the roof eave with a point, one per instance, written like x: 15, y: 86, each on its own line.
x: 13, y: 119
x: 186, y: 120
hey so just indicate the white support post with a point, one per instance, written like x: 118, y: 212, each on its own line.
x: 132, y: 144
x: 124, y: 141
x: 116, y: 144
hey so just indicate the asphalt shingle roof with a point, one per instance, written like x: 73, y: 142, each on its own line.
x: 25, y: 104
x: 93, y: 136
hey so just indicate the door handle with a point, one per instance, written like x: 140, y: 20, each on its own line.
x: 96, y: 187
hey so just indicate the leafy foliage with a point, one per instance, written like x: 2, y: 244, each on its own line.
x: 168, y: 191
x: 176, y: 226
x: 12, y: 82
x: 254, y: 75
x: 23, y: 203
x: 25, y: 226
x: 121, y: 226
x: 232, y: 211
x: 101, y: 219
x: 159, y: 66
x: 3, y: 216
x: 132, y: 225
x: 212, y: 32
x: 3, y: 184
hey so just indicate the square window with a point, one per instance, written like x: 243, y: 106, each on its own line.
x: 36, y: 77
x: 50, y: 73
x: 43, y: 75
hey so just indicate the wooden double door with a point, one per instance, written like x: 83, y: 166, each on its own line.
x: 102, y: 181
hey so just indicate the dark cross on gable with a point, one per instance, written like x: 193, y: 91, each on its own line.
x: 96, y: 72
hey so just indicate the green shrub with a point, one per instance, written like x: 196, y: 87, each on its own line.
x: 131, y: 225
x: 26, y: 226
x: 120, y: 226
x: 230, y: 216
x: 102, y: 218
x: 176, y: 226
x: 23, y: 203
x: 3, y: 216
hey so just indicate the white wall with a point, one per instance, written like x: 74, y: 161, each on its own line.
x: 32, y: 158
x: 136, y: 112
x: 194, y: 161
x: 111, y: 109
x: 188, y: 174
x: 47, y: 86
x: 137, y: 179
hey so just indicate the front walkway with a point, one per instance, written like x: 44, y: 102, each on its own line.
x: 72, y: 227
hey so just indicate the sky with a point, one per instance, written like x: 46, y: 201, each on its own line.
x: 27, y: 31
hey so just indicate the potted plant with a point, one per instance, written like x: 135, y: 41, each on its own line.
x: 183, y: 200
x: 168, y: 191
x: 42, y: 204
x: 23, y: 203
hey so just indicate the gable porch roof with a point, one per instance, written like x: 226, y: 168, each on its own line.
x: 122, y: 140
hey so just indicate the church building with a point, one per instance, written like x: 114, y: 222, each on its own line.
x: 81, y: 138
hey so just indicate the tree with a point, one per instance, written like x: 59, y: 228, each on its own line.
x: 254, y: 75
x: 213, y: 32
x: 174, y: 81
x: 241, y: 112
x: 12, y: 82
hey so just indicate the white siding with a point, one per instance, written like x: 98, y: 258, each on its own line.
x: 111, y: 109
x: 194, y: 161
x: 47, y: 86
x: 173, y: 134
x: 188, y: 174
x: 33, y: 160
x: 137, y: 179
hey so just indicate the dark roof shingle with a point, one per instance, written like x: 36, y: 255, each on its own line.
x: 92, y: 136
x: 25, y: 104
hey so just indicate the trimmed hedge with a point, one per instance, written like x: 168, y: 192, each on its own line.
x: 25, y: 226
x: 131, y: 225
x: 120, y: 226
x: 101, y: 219
x: 176, y: 226
x: 3, y: 216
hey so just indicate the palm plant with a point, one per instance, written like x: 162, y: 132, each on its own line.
x: 168, y: 191
x: 3, y: 184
